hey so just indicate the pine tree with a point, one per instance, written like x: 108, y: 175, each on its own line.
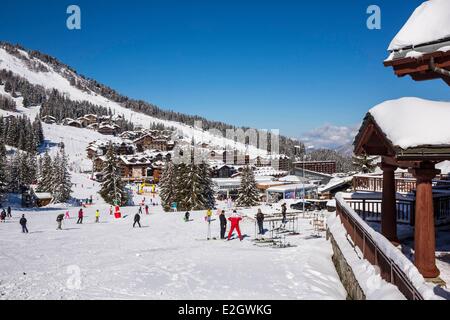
x: 3, y: 168
x: 364, y: 163
x: 62, y: 185
x: 45, y: 177
x: 113, y: 188
x: 168, y: 186
x: 208, y: 185
x: 193, y: 197
x: 248, y: 193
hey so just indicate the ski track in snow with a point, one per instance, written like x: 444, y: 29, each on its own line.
x: 162, y: 260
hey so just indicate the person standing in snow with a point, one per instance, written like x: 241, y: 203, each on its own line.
x: 23, y: 223
x: 137, y: 219
x: 140, y: 210
x: 97, y: 216
x: 235, y: 219
x: 208, y: 219
x: 80, y: 216
x: 260, y: 221
x: 223, y: 224
x: 3, y: 216
x: 59, y: 220
x: 67, y: 215
x: 8, y: 212
x: 283, y: 213
x: 146, y: 209
x: 186, y: 216
x: 110, y: 210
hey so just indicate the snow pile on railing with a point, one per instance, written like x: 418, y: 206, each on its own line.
x: 393, y: 253
x: 374, y: 287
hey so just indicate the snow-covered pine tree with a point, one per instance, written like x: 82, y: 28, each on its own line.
x: 45, y: 177
x: 364, y: 163
x: 28, y: 166
x: 62, y: 184
x: 113, y: 188
x: 3, y: 166
x: 208, y: 185
x: 193, y: 197
x: 248, y: 193
x: 167, y: 186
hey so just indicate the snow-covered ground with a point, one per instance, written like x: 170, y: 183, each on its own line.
x: 166, y: 259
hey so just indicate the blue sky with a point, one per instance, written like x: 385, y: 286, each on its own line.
x: 292, y: 65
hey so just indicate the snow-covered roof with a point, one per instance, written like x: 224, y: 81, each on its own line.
x: 335, y: 183
x: 413, y: 122
x: 43, y: 195
x: 430, y: 22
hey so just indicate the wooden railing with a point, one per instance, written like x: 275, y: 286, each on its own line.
x: 403, y: 184
x: 375, y: 184
x: 389, y: 271
x: 370, y: 209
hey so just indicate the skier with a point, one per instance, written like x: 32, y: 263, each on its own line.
x: 3, y: 216
x: 80, y: 216
x: 67, y: 215
x: 283, y: 212
x: 23, y: 223
x: 146, y: 209
x: 97, y: 216
x: 140, y: 210
x: 59, y: 220
x: 235, y: 219
x: 137, y: 219
x: 260, y: 221
x: 8, y: 212
x: 223, y: 224
x: 208, y: 215
x: 110, y: 210
x: 208, y: 219
x: 186, y: 216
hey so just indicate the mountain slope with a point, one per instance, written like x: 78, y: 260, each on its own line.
x: 47, y: 72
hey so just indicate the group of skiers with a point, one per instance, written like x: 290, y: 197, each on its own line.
x: 5, y: 214
x: 234, y: 220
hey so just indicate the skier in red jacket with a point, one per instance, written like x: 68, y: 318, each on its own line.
x: 235, y: 219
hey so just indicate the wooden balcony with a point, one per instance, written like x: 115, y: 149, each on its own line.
x: 403, y: 183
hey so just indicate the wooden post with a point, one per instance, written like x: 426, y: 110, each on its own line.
x: 424, y: 234
x: 388, y: 204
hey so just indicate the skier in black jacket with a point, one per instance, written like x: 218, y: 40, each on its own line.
x: 8, y: 212
x: 260, y: 221
x: 59, y: 220
x: 137, y: 219
x: 223, y: 224
x: 23, y: 223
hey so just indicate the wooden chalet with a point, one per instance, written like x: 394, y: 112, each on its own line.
x: 380, y: 135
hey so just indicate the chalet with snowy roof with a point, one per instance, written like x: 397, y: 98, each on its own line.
x: 222, y: 171
x: 108, y: 129
x: 413, y: 134
x: 48, y: 119
x: 421, y: 49
x: 152, y: 141
x: 72, y: 123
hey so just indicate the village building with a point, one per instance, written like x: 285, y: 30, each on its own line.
x: 328, y: 167
x: 48, y: 119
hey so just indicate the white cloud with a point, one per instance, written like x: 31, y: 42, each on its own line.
x: 330, y: 136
